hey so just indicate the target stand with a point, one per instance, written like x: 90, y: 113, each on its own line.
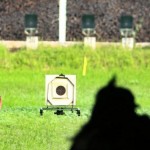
x: 60, y: 94
x: 60, y: 110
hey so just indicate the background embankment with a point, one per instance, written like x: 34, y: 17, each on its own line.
x: 107, y: 13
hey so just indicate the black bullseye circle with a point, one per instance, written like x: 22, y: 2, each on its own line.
x: 60, y: 90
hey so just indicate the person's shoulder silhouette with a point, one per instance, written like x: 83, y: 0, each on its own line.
x: 114, y: 124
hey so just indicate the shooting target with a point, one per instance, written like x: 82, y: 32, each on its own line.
x: 60, y: 90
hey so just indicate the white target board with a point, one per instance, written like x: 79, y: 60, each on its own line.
x: 60, y: 90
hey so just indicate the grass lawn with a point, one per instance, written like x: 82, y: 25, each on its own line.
x: 22, y: 88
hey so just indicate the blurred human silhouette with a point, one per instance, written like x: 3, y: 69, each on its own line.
x: 114, y: 124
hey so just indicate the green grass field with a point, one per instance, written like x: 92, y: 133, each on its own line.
x: 22, y: 88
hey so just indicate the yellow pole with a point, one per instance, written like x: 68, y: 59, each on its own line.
x: 84, y: 66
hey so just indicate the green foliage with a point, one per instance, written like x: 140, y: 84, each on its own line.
x: 104, y: 57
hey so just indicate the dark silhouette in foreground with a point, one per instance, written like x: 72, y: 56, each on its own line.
x: 114, y: 124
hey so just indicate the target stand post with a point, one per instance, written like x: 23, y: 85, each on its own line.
x: 60, y: 94
x: 88, y: 30
x: 31, y: 31
x: 127, y: 31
